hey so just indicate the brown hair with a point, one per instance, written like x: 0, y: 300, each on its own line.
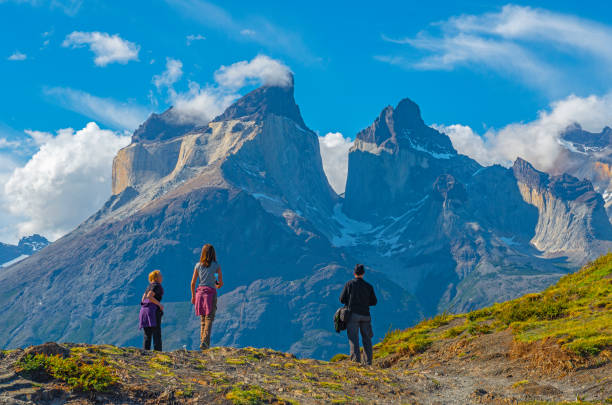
x: 208, y: 255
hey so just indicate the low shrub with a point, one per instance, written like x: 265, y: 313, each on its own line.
x: 78, y: 375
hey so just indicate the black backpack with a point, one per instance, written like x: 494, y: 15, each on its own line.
x: 341, y: 319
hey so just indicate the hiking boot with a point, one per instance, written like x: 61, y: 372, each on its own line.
x: 204, y: 346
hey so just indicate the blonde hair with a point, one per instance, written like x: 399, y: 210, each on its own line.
x: 154, y: 275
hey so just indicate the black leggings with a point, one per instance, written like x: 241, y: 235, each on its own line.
x: 155, y: 333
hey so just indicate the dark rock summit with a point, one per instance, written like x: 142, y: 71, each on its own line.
x: 277, y: 100
x: 161, y: 127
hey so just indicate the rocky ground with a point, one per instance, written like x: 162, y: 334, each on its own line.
x: 489, y: 369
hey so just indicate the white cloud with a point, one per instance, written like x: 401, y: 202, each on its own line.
x: 67, y: 180
x: 192, y: 38
x: 262, y: 69
x: 108, y: 111
x: 6, y: 144
x: 173, y: 72
x: 201, y: 104
x: 18, y: 56
x: 106, y: 48
x: 535, y: 141
x: 334, y: 153
x: 511, y: 42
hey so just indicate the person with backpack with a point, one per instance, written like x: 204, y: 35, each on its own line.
x: 358, y: 296
x: 151, y: 311
x: 208, y: 271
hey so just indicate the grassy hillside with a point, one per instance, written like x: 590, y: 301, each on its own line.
x: 551, y: 347
x: 575, y: 313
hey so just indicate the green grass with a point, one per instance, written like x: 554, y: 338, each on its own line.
x: 248, y: 395
x: 78, y: 375
x: 338, y: 357
x: 576, y: 312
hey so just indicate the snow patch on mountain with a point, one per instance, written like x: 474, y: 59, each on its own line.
x: 15, y: 260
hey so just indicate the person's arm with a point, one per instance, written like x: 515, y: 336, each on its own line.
x: 151, y: 297
x: 220, y: 276
x: 194, y: 280
x: 344, y: 296
x: 373, y: 300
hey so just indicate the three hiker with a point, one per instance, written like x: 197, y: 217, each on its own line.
x: 358, y: 295
x: 151, y: 311
x: 205, y: 298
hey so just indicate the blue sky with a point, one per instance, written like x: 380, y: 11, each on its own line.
x: 482, y: 65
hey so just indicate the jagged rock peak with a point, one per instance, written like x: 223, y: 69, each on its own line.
x: 527, y: 174
x: 33, y: 243
x: 404, y: 127
x: 564, y: 186
x: 582, y: 139
x: 267, y: 99
x: 161, y: 127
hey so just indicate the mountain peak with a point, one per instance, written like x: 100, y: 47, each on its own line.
x: 403, y: 126
x: 408, y: 114
x: 526, y: 173
x: 267, y: 99
x: 161, y: 127
x: 583, y: 140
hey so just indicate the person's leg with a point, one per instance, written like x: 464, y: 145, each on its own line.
x: 202, y: 329
x: 352, y: 331
x: 157, y: 339
x: 148, y: 332
x: 208, y: 321
x: 366, y: 337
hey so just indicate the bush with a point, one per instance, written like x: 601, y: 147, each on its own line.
x: 248, y: 395
x: 338, y: 357
x: 78, y: 375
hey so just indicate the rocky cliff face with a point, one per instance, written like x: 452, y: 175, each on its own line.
x: 437, y: 231
x: 571, y: 215
x: 588, y: 155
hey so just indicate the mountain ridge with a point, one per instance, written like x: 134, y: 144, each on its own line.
x: 251, y: 182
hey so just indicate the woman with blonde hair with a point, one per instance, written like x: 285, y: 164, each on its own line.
x: 205, y: 298
x: 151, y: 311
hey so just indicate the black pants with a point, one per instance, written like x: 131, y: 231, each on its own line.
x: 360, y: 323
x: 155, y: 333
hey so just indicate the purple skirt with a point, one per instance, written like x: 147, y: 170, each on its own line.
x: 148, y: 314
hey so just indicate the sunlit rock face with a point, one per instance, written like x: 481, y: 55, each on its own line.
x: 571, y: 215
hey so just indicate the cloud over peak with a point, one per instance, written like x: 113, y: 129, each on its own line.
x: 200, y: 104
x: 173, y: 72
x: 536, y: 141
x: 106, y: 48
x: 261, y: 69
x: 64, y: 182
